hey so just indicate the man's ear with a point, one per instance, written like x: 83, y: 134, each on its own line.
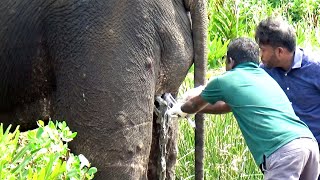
x: 280, y: 51
x: 231, y: 62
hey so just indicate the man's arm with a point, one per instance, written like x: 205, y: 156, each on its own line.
x: 198, y: 104
x: 219, y: 107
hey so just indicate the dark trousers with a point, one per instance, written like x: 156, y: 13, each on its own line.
x: 319, y: 151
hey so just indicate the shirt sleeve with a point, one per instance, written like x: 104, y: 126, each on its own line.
x: 212, y: 92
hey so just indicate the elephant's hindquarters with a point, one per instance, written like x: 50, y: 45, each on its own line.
x: 107, y: 82
x: 112, y: 117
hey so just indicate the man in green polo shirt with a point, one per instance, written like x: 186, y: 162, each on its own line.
x: 281, y: 144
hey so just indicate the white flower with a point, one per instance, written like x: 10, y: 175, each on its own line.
x: 84, y: 161
x: 56, y: 148
x: 69, y: 162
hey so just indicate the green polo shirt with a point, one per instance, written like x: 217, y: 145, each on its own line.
x: 261, y: 108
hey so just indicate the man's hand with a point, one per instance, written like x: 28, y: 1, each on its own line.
x: 192, y: 93
x: 176, y: 110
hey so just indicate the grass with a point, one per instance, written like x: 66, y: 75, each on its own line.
x: 226, y: 155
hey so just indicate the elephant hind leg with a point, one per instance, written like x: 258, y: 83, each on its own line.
x: 171, y: 148
x: 26, y: 115
x: 26, y: 82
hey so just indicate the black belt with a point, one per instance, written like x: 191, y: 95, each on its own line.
x: 262, y: 166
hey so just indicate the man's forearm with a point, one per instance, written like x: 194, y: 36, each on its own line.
x: 194, y: 105
x: 197, y: 104
x: 219, y: 107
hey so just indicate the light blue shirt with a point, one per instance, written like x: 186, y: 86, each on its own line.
x: 301, y: 83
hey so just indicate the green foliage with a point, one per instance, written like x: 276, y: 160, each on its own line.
x: 229, y: 19
x: 217, y: 49
x: 41, y: 154
x: 299, y: 10
x: 306, y: 36
x: 222, y: 21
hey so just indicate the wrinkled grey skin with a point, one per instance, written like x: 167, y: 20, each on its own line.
x: 98, y: 65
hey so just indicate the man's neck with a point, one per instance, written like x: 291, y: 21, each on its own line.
x: 287, y: 61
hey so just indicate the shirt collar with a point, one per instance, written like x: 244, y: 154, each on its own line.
x: 247, y: 64
x: 297, y: 60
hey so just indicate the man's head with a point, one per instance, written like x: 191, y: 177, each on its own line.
x: 277, y: 42
x: 241, y: 50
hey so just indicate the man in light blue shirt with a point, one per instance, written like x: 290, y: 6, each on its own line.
x: 297, y: 72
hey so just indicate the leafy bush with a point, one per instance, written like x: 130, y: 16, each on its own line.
x: 217, y: 49
x: 229, y: 19
x: 299, y: 10
x: 41, y: 154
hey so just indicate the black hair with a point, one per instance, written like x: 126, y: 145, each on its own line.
x: 276, y: 32
x: 243, y: 50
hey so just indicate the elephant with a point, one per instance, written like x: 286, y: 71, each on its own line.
x: 99, y: 66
